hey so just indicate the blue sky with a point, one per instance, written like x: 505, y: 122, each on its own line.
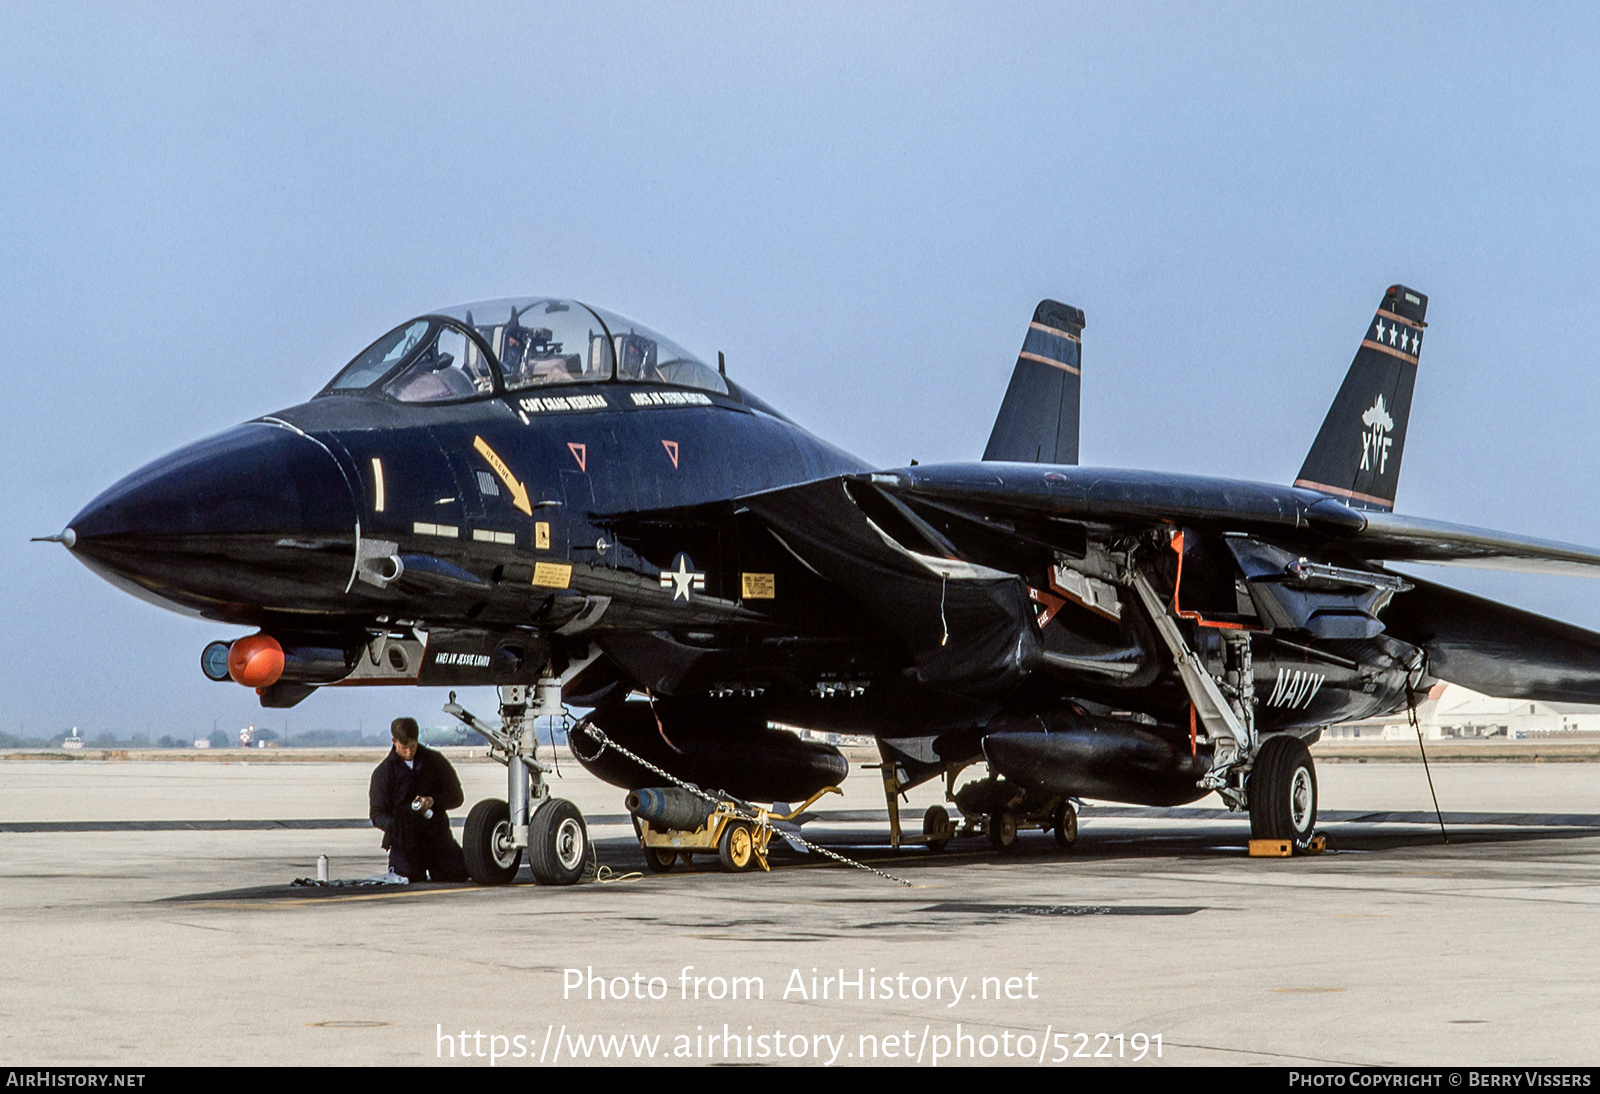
x: 206, y: 210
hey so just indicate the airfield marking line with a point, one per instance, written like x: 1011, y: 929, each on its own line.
x: 1363, y: 885
x: 199, y: 926
x: 1473, y: 892
x: 301, y: 902
x: 1509, y: 890
x: 1275, y: 1055
x: 978, y: 1022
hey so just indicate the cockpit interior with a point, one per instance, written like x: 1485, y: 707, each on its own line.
x: 495, y: 346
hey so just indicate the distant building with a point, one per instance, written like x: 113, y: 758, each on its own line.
x: 1454, y: 713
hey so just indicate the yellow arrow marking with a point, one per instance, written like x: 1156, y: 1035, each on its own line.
x: 519, y: 493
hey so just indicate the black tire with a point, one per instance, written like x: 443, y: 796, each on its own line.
x: 658, y: 860
x: 737, y: 847
x: 1065, y: 823
x: 558, y: 843
x: 935, y: 827
x: 486, y: 843
x: 1003, y: 829
x: 1283, y: 791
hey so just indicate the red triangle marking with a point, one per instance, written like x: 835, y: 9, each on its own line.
x: 580, y: 452
x: 672, y: 450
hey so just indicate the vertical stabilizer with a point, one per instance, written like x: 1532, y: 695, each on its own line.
x: 1356, y: 455
x: 1038, y: 421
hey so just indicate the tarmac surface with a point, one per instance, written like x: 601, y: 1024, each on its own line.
x: 148, y: 918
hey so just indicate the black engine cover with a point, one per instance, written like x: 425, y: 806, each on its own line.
x: 1072, y: 753
x: 710, y: 747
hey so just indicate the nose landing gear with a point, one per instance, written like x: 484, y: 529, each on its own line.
x: 492, y: 855
x: 550, y: 829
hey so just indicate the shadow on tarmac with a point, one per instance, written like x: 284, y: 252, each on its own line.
x: 1102, y: 841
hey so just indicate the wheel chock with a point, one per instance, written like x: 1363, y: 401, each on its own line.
x: 1282, y: 848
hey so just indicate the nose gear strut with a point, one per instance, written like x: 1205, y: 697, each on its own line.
x: 550, y: 829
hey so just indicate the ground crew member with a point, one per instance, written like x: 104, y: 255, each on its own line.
x: 411, y: 790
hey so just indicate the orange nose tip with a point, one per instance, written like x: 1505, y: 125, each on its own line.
x: 256, y: 662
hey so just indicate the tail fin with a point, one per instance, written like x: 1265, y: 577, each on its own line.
x: 1038, y: 421
x: 1356, y: 455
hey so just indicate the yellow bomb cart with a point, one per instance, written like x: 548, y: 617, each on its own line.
x: 675, y: 823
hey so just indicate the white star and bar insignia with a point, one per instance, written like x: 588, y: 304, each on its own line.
x: 682, y: 578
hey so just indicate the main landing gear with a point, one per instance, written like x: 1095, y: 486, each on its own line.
x: 551, y: 830
x: 1283, y: 791
x: 1274, y: 778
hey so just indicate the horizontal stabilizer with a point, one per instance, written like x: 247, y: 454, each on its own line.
x: 1495, y: 648
x: 1395, y: 538
x: 1038, y: 421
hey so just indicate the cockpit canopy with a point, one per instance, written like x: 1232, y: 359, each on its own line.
x: 513, y: 344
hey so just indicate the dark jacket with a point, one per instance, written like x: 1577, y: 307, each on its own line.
x: 394, y: 786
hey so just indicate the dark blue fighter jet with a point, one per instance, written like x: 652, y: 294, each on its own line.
x: 550, y: 498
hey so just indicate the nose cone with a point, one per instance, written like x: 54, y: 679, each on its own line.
x: 257, y: 519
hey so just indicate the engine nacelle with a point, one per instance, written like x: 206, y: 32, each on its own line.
x: 741, y: 755
x: 1072, y: 753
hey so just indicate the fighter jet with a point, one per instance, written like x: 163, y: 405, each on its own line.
x: 548, y: 497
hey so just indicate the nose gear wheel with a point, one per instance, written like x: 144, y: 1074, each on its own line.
x: 492, y: 856
x: 557, y: 841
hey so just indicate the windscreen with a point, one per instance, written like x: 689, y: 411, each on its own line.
x: 377, y: 360
x: 427, y: 360
x: 448, y: 365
